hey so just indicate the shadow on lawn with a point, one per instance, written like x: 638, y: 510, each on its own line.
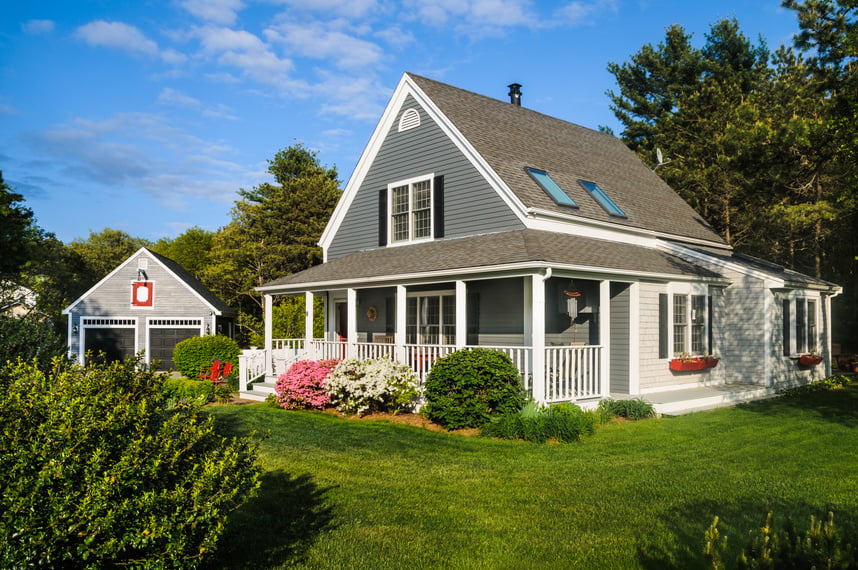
x: 276, y: 527
x: 837, y: 406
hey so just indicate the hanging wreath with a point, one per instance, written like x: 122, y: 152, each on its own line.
x: 372, y: 314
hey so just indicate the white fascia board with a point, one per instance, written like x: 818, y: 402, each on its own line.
x: 472, y: 273
x: 68, y: 309
x: 770, y: 281
x: 407, y: 87
x: 560, y: 222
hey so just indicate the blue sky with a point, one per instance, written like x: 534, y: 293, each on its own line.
x: 148, y: 116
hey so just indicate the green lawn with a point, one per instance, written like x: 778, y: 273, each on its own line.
x: 360, y: 494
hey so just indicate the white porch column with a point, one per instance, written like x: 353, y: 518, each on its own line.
x: 605, y: 336
x: 537, y: 334
x: 308, y: 318
x: 461, y: 315
x: 399, y: 335
x: 268, y: 318
x: 351, y: 296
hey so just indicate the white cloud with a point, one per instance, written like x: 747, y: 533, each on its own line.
x: 38, y: 27
x: 325, y: 41
x: 581, y: 12
x: 121, y: 36
x: 143, y: 151
x: 170, y: 96
x: 339, y: 8
x: 481, y: 13
x: 222, y: 12
x: 395, y: 36
x: 360, y: 98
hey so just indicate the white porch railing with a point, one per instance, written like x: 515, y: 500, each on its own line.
x: 571, y: 372
x: 251, y: 367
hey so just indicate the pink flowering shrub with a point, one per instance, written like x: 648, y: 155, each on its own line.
x: 302, y: 387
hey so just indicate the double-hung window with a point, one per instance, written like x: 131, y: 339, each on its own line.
x: 430, y: 319
x: 411, y: 210
x: 684, y: 324
x: 800, y: 330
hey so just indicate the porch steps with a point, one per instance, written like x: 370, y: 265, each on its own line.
x: 258, y: 391
x: 683, y: 401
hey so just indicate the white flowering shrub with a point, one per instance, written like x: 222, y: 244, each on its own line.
x: 362, y: 386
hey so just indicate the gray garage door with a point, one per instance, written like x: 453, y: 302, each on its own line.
x: 115, y: 343
x: 163, y: 341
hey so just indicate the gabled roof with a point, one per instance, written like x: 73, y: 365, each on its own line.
x: 511, y: 138
x: 505, y: 251
x: 194, y: 285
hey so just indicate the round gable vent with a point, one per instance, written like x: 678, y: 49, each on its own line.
x: 410, y: 119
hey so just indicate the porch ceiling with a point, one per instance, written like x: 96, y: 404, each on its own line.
x: 518, y: 249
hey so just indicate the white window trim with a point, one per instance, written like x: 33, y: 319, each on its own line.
x: 411, y: 181
x: 434, y: 293
x: 793, y: 322
x: 688, y: 290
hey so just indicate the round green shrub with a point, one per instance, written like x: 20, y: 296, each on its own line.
x: 194, y: 355
x: 99, y: 470
x: 464, y: 389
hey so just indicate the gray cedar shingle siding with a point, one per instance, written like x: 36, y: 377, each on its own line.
x: 511, y: 138
x: 416, y: 152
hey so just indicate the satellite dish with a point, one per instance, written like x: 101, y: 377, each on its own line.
x: 659, y: 156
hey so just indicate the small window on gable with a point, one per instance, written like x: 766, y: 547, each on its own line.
x: 551, y: 187
x: 603, y: 199
x: 410, y: 119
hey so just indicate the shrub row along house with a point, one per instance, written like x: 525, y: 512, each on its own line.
x: 470, y: 221
x: 148, y: 303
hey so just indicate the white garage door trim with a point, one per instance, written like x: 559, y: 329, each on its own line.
x: 171, y: 323
x: 105, y: 323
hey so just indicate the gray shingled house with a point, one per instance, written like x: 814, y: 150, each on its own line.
x: 470, y: 221
x: 150, y: 303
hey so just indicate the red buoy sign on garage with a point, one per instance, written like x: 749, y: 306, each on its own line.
x: 142, y: 293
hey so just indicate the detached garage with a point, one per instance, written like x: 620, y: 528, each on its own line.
x: 149, y: 303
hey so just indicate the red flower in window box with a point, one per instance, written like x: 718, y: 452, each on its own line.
x: 809, y: 359
x: 692, y: 363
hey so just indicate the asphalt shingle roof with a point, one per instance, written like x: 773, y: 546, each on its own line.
x: 511, y: 138
x: 494, y: 250
x: 193, y: 283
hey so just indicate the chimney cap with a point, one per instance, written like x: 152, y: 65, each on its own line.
x: 515, y: 94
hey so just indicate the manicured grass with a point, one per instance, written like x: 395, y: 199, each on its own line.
x: 356, y: 494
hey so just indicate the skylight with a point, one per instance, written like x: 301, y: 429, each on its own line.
x: 551, y: 187
x: 599, y: 195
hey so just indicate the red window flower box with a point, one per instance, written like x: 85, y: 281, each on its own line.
x: 692, y: 364
x: 809, y: 359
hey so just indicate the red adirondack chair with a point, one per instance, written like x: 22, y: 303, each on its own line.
x: 213, y: 374
x: 227, y: 370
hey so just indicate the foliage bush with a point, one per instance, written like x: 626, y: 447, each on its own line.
x: 831, y: 383
x: 30, y: 338
x: 564, y: 423
x: 98, y: 470
x: 195, y: 354
x: 188, y: 389
x: 767, y: 547
x: 361, y: 386
x: 634, y: 409
x: 302, y: 387
x: 465, y: 388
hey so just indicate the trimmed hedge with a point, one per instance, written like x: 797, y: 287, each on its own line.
x: 564, y: 423
x: 188, y: 389
x: 464, y: 389
x: 193, y: 355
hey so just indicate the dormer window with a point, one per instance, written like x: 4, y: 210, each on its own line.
x: 551, y: 187
x: 603, y: 199
x: 411, y: 209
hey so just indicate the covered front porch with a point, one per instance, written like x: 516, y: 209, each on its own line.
x: 556, y: 327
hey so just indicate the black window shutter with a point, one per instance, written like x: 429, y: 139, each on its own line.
x: 438, y: 206
x: 711, y: 325
x: 662, y: 325
x: 382, y: 217
x: 786, y: 325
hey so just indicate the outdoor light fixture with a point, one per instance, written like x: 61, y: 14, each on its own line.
x: 74, y: 329
x: 208, y: 329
